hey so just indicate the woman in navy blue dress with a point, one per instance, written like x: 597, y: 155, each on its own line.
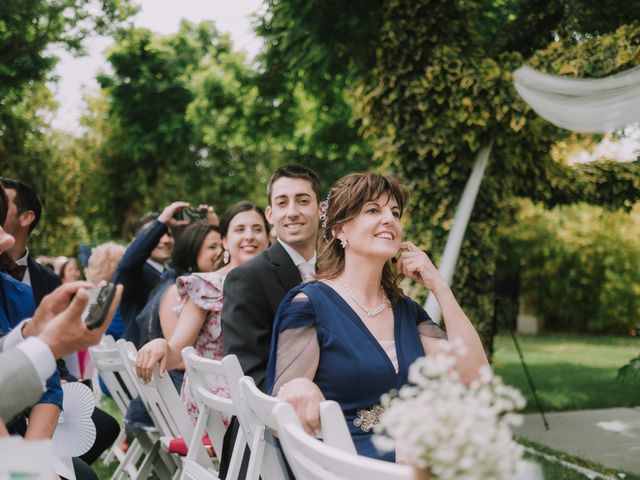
x: 351, y: 335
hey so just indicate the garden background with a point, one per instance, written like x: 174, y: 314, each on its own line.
x: 410, y: 87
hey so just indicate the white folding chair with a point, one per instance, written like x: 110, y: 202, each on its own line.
x: 199, y: 371
x: 257, y: 421
x: 121, y: 386
x: 313, y: 459
x: 168, y: 413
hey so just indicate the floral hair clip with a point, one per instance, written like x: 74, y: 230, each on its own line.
x: 324, y: 208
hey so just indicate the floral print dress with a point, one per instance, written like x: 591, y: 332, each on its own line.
x: 205, y: 290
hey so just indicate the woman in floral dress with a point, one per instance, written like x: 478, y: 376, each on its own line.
x: 244, y: 232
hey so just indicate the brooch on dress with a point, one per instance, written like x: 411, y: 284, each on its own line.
x: 367, y: 419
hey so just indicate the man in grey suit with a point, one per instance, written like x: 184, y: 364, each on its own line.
x: 28, y: 353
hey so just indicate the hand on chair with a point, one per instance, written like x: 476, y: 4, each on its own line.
x: 305, y: 396
x: 150, y: 355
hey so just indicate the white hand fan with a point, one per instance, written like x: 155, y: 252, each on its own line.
x: 76, y: 431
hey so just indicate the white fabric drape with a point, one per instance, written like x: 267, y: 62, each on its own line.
x: 591, y: 105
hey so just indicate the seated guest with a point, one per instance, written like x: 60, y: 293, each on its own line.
x: 351, y: 335
x: 70, y: 271
x: 145, y: 259
x: 23, y: 214
x: 244, y: 235
x: 197, y: 249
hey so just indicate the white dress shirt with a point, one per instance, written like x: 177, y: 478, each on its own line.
x: 307, y: 268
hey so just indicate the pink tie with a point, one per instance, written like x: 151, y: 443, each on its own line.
x: 307, y: 271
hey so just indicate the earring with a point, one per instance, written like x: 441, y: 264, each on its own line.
x: 226, y: 257
x: 344, y: 242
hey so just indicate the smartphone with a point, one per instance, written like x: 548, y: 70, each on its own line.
x: 100, y: 298
x: 191, y: 214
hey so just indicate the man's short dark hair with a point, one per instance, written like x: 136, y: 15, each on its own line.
x: 4, y: 205
x: 295, y: 171
x: 142, y: 221
x: 26, y: 199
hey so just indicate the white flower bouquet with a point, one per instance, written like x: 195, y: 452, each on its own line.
x: 454, y: 431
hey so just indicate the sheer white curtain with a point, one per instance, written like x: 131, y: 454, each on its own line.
x: 592, y: 105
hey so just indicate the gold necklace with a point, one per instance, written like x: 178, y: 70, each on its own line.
x: 371, y: 312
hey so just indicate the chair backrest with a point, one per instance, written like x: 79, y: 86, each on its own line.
x: 257, y: 422
x: 163, y: 403
x: 312, y: 459
x: 211, y: 406
x: 115, y: 376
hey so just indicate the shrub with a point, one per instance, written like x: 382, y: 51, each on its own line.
x: 579, y: 265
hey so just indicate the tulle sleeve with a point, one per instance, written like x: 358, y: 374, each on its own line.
x: 294, y: 346
x: 426, y: 326
x: 204, y: 289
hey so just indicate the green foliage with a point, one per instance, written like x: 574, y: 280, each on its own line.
x: 578, y: 266
x: 631, y: 369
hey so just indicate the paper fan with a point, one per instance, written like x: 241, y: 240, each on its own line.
x: 76, y: 431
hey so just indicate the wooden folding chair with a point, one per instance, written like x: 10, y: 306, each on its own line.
x: 313, y: 459
x: 169, y: 415
x: 211, y: 406
x: 121, y: 386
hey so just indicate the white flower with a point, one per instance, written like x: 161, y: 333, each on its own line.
x: 457, y: 431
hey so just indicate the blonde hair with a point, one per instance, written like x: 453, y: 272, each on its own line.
x: 103, y: 262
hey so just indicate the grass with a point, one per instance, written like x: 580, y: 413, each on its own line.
x: 570, y: 372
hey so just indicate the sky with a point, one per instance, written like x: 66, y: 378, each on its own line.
x: 77, y: 75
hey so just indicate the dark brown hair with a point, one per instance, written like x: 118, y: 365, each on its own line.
x: 295, y: 171
x: 345, y: 201
x: 4, y: 205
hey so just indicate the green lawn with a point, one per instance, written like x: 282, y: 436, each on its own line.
x: 570, y: 372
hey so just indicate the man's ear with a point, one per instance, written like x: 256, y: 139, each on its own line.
x: 267, y: 213
x: 26, y: 218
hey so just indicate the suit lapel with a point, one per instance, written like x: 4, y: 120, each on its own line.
x: 286, y: 271
x: 37, y: 282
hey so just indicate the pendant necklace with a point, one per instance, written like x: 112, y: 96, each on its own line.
x: 371, y: 312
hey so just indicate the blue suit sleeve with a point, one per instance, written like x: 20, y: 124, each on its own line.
x: 130, y: 268
x: 53, y: 392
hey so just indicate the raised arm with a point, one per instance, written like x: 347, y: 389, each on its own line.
x: 415, y: 264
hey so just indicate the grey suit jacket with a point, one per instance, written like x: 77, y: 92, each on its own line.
x: 20, y: 386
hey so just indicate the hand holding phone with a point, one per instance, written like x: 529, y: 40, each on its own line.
x: 191, y: 214
x: 100, y: 299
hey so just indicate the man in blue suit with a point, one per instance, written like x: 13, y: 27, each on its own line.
x: 143, y: 263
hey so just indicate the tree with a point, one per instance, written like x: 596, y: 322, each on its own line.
x: 432, y: 83
x: 29, y: 150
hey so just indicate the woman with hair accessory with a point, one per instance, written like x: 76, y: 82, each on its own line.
x: 351, y: 335
x: 244, y: 230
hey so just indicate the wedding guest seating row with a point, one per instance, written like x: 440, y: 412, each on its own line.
x: 259, y: 415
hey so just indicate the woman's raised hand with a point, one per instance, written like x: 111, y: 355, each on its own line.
x: 150, y: 355
x: 413, y: 263
x: 305, y: 396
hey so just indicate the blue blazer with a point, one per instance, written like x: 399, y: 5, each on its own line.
x: 138, y: 278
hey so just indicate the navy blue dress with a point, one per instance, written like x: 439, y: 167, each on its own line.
x: 354, y: 370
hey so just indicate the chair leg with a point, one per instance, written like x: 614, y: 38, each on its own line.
x: 257, y: 452
x: 129, y: 461
x: 236, y: 457
x: 147, y: 463
x: 115, y: 451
